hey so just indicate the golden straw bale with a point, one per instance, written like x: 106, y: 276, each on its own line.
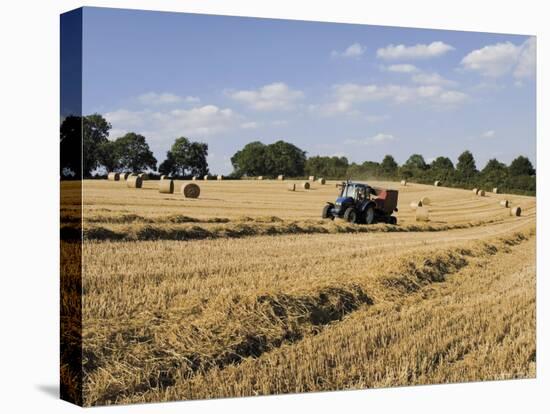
x: 190, y: 190
x: 403, y: 182
x: 281, y: 177
x: 437, y: 183
x: 113, y: 176
x: 495, y: 190
x: 481, y: 193
x: 305, y: 185
x: 134, y: 181
x: 515, y: 211
x: 143, y: 176
x: 321, y: 181
x: 475, y: 190
x: 415, y: 204
x: 422, y: 214
x: 425, y: 201
x: 261, y: 177
x: 166, y: 186
x: 219, y: 177
x: 206, y: 178
x: 291, y: 187
x: 311, y: 178
x: 505, y: 203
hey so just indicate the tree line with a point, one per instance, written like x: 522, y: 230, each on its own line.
x: 129, y: 152
x: 185, y: 158
x: 256, y: 159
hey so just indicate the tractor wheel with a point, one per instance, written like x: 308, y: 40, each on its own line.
x: 350, y: 215
x: 369, y: 215
x: 392, y: 220
x: 326, y: 213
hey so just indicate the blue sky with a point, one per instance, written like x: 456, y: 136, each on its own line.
x: 332, y: 89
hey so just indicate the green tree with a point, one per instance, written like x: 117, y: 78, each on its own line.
x: 466, y: 166
x: 494, y: 173
x: 251, y: 160
x: 70, y: 147
x: 389, y: 166
x: 133, y: 153
x: 167, y: 167
x: 108, y: 155
x: 521, y: 166
x: 188, y: 157
x: 442, y: 168
x: 442, y: 164
x: 416, y: 162
x: 95, y: 131
x: 285, y: 158
x: 328, y: 167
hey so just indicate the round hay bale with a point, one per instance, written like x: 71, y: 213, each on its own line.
x: 190, y: 190
x: 124, y: 176
x: 321, y: 181
x: 475, y: 190
x: 143, y: 176
x: 206, y: 178
x: 305, y: 185
x: 219, y: 177
x: 194, y: 178
x: 166, y: 186
x: 311, y: 178
x: 281, y: 177
x: 261, y: 177
x: 403, y: 182
x: 291, y: 187
x: 515, y: 211
x: 134, y: 181
x: 505, y: 203
x: 422, y: 214
x: 437, y: 183
x: 425, y: 201
x: 163, y: 177
x: 495, y: 190
x: 113, y: 176
x: 481, y: 193
x: 415, y: 204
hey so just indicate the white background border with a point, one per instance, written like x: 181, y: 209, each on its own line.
x: 30, y: 192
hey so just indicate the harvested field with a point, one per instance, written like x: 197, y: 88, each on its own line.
x: 172, y: 309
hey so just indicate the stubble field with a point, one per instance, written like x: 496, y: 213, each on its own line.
x: 246, y: 291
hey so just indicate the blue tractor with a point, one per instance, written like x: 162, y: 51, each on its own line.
x: 361, y: 203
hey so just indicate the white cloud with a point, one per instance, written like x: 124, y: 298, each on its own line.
x: 353, y: 51
x: 275, y: 96
x: 452, y: 97
x: 377, y: 118
x: 503, y: 58
x: 489, y: 134
x: 432, y: 79
x: 527, y: 60
x: 494, y: 60
x: 402, y: 68
x: 250, y: 125
x: 192, y: 99
x: 346, y: 96
x: 165, y: 98
x: 157, y: 126
x: 419, y: 51
x: 376, y: 139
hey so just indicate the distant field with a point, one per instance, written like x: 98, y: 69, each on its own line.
x: 246, y: 291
